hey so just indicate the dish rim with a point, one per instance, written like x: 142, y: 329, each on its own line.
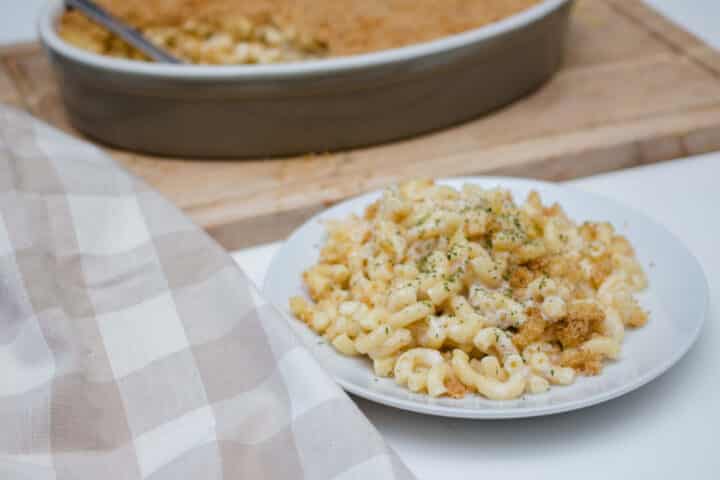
x: 514, y: 413
x: 50, y: 38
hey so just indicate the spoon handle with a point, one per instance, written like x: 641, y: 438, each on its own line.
x: 122, y: 30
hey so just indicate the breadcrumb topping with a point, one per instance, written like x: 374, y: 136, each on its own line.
x: 265, y: 31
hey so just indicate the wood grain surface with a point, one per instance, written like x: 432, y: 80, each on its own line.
x: 634, y: 89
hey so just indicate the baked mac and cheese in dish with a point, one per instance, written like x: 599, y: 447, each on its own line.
x: 456, y: 292
x: 232, y: 32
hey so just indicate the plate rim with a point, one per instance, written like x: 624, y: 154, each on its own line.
x: 509, y: 413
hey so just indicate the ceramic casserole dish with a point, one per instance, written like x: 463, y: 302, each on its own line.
x: 310, y: 106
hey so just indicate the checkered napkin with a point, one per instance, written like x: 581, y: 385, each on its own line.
x: 131, y: 346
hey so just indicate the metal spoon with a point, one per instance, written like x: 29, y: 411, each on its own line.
x: 122, y: 30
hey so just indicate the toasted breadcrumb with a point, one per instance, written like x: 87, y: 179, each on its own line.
x: 580, y: 310
x: 583, y: 319
x: 455, y: 388
x: 582, y: 361
x: 521, y: 277
x: 530, y: 331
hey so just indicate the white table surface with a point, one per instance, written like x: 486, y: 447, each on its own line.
x: 667, y: 429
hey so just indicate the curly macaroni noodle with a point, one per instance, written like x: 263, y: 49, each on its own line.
x: 455, y: 292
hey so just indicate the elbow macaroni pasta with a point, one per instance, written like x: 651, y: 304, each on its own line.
x: 455, y: 292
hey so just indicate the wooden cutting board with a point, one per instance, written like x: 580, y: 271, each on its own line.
x: 635, y: 89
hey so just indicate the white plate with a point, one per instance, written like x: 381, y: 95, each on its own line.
x: 677, y: 300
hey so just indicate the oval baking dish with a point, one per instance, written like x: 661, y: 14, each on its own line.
x: 309, y: 106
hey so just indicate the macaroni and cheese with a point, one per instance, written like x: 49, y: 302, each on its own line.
x: 226, y: 32
x: 455, y: 292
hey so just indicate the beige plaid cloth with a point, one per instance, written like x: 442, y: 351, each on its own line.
x: 132, y: 347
